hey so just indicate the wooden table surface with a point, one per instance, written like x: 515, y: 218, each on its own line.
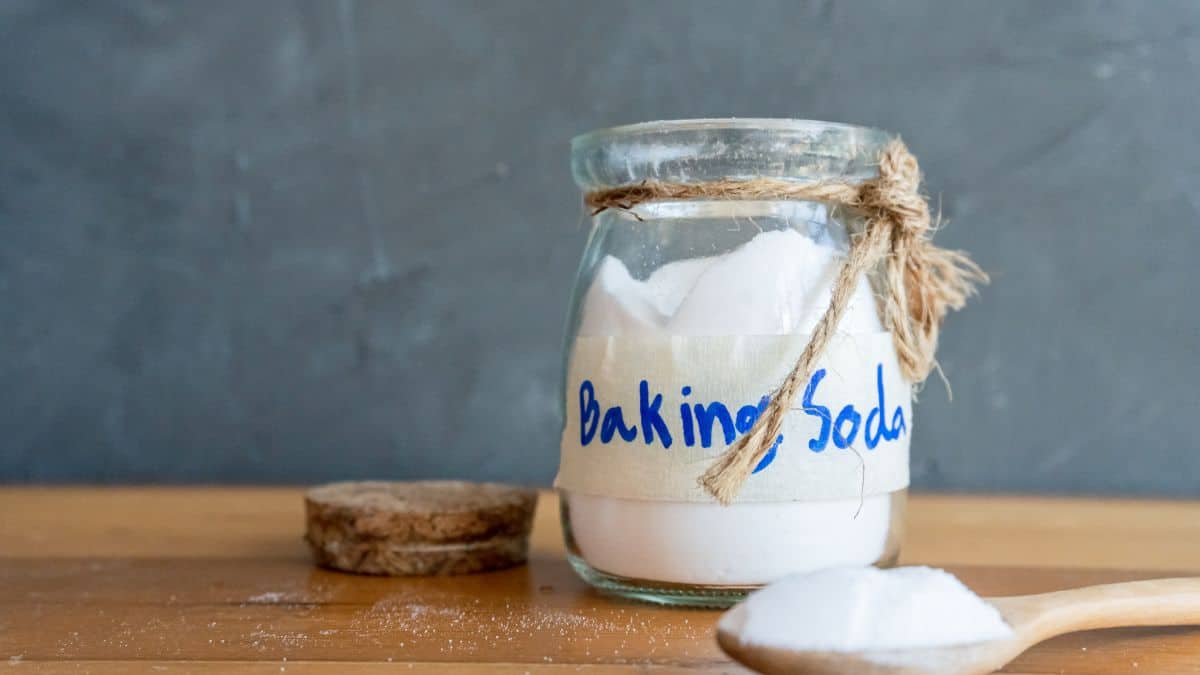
x: 132, y: 580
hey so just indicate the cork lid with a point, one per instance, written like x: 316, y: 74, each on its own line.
x: 423, y: 527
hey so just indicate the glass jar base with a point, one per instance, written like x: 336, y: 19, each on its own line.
x: 658, y: 592
x: 673, y: 595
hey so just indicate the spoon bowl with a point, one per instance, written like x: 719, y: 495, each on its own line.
x: 1033, y: 618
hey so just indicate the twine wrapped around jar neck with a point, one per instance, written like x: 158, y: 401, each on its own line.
x: 917, y: 283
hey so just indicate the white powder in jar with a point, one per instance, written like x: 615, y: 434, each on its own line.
x: 862, y: 609
x: 737, y: 545
x: 778, y: 283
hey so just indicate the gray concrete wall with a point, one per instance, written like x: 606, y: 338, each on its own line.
x: 280, y: 241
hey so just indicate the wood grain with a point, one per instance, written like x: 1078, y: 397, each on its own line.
x: 217, y: 580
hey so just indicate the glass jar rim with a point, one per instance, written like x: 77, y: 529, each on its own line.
x: 782, y: 124
x: 698, y: 150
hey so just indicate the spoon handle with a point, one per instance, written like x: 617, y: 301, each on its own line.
x: 1155, y: 602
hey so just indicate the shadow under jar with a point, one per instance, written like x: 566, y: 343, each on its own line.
x: 684, y: 317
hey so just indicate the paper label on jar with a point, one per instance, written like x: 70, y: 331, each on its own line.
x: 646, y: 416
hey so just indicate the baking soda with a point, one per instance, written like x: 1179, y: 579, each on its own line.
x: 738, y: 545
x: 864, y: 608
x: 778, y: 283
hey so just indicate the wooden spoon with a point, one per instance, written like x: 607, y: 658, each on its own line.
x: 1033, y: 618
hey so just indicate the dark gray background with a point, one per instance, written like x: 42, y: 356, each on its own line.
x: 292, y: 241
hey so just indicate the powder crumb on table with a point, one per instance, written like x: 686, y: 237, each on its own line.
x: 266, y: 598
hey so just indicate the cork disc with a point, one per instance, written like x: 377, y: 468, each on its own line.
x: 419, y: 528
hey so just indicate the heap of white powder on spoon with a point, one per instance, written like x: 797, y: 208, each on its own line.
x: 852, y: 609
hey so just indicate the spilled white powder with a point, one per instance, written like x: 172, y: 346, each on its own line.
x: 864, y: 608
x: 778, y: 283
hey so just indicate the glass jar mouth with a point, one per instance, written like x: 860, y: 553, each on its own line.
x: 699, y: 150
x: 778, y: 124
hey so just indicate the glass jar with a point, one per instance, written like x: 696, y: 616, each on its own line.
x: 685, y: 316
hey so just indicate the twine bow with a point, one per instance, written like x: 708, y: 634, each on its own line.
x: 916, y: 282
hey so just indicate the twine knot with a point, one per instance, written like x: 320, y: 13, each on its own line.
x: 894, y: 199
x: 916, y: 283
